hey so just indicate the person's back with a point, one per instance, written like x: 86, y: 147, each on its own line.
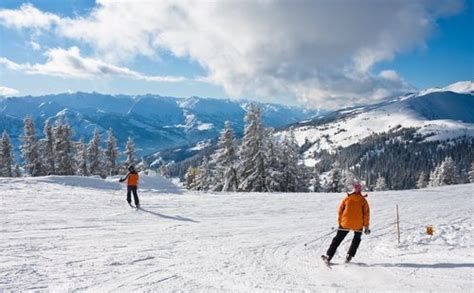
x: 354, y: 212
x: 132, y: 178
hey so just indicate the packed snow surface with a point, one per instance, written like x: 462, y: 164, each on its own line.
x: 61, y: 234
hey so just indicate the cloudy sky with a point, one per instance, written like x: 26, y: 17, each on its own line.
x: 317, y: 53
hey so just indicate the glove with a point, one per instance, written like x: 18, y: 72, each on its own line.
x: 366, y: 231
x: 121, y: 180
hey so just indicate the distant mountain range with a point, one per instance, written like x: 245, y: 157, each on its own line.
x: 436, y: 114
x: 154, y: 121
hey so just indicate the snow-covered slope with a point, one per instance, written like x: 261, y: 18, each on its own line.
x: 57, y: 237
x: 438, y: 115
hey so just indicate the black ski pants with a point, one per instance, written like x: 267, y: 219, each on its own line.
x: 336, y: 241
x: 133, y: 189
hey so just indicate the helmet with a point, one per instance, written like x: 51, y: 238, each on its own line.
x: 131, y: 168
x: 357, y: 187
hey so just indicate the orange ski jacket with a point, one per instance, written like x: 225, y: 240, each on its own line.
x: 132, y: 179
x: 354, y: 212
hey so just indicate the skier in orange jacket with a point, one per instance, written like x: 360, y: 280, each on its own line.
x: 132, y: 184
x: 353, y: 215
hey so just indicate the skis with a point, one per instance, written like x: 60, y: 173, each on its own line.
x: 134, y: 207
x: 329, y: 264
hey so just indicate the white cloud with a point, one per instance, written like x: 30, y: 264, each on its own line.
x: 34, y: 45
x: 70, y: 64
x: 6, y: 91
x: 28, y: 16
x: 321, y: 52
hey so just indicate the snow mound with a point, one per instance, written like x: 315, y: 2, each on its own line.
x: 151, y: 182
x: 155, y: 182
x: 94, y: 182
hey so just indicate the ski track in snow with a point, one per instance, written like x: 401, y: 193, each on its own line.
x: 61, y: 238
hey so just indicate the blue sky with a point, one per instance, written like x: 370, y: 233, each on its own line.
x: 275, y: 51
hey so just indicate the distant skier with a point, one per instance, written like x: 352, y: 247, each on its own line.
x: 353, y: 215
x: 132, y: 183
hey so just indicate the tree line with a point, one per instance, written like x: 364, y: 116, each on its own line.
x: 396, y: 160
x: 58, y: 154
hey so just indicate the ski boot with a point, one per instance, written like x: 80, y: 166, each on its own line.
x: 326, y: 259
x: 348, y: 259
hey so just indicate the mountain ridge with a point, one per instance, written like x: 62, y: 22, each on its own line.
x: 156, y: 122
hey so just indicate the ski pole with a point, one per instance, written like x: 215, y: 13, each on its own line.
x: 325, y: 235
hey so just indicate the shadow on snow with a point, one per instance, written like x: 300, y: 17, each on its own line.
x: 177, y: 218
x: 420, y: 266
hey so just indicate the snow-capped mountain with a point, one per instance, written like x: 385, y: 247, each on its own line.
x: 436, y: 114
x: 154, y: 121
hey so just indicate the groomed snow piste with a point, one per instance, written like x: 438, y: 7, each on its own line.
x: 70, y: 233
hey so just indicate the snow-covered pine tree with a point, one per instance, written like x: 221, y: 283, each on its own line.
x: 81, y: 158
x: 274, y: 166
x: 203, y: 175
x: 129, y: 152
x: 471, y: 173
x: 316, y: 182
x: 16, y: 171
x: 6, y: 156
x: 290, y: 164
x: 47, y: 149
x: 190, y: 177
x: 225, y: 175
x: 422, y: 180
x: 30, y: 149
x: 348, y: 180
x: 380, y: 184
x: 435, y: 176
x: 64, y: 150
x: 335, y: 183
x: 448, y: 173
x: 252, y: 171
x: 95, y: 155
x: 111, y: 153
x: 304, y: 177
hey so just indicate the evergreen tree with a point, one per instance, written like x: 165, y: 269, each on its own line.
x: 316, y: 182
x: 47, y: 149
x: 380, y: 184
x: 471, y: 173
x: 253, y: 171
x: 29, y: 149
x: 111, y: 153
x: 435, y: 176
x: 274, y: 179
x: 16, y: 171
x: 191, y: 178
x: 349, y: 180
x: 203, y: 175
x: 289, y: 162
x: 64, y: 150
x: 448, y: 173
x: 335, y: 183
x: 95, y: 155
x: 6, y: 156
x: 304, y: 177
x: 81, y: 158
x: 225, y: 177
x: 422, y: 180
x: 130, y: 152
